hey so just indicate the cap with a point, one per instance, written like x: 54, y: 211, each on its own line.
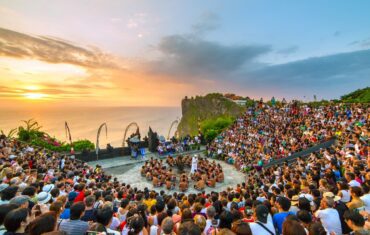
x: 331, y: 195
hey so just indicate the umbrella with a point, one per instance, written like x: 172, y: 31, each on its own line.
x: 134, y: 139
x: 162, y: 139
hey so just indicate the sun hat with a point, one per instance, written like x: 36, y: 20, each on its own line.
x: 3, y: 186
x: 294, y: 200
x: 47, y: 188
x: 331, y: 195
x: 43, y: 197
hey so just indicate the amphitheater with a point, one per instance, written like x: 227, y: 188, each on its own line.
x: 128, y: 170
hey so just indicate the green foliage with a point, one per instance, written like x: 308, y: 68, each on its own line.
x: 211, y: 128
x: 203, y: 108
x: 250, y: 103
x: 317, y: 104
x: 50, y: 146
x: 358, y: 96
x: 31, y: 133
x: 80, y: 145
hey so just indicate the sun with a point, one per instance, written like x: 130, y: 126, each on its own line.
x: 34, y: 96
x: 32, y: 87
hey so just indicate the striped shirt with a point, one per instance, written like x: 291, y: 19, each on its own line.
x: 74, y: 227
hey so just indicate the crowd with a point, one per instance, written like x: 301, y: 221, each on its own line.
x: 264, y: 134
x: 207, y: 174
x: 179, y: 145
x: 325, y: 193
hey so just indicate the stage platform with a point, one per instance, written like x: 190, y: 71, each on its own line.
x: 128, y: 171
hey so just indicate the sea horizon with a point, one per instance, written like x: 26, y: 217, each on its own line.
x: 85, y: 121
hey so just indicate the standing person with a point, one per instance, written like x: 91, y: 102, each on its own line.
x: 328, y: 216
x: 75, y: 226
x: 262, y: 226
x: 194, y: 164
x: 283, y: 205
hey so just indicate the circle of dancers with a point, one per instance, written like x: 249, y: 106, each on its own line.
x: 203, y: 173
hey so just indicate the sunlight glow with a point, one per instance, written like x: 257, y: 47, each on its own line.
x: 32, y: 87
x: 34, y: 96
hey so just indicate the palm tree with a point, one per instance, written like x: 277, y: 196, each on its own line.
x: 30, y: 130
x: 10, y: 133
x: 31, y: 125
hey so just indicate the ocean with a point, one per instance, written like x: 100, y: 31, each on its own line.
x: 84, y: 122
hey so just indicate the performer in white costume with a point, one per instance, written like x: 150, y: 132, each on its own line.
x: 194, y: 164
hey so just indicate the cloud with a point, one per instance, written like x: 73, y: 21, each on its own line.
x: 364, y: 43
x: 288, y: 50
x: 137, y: 20
x: 186, y: 56
x: 337, y: 33
x: 343, y: 71
x: 52, y: 50
x: 207, y: 22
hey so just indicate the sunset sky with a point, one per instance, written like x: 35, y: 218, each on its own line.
x: 153, y: 53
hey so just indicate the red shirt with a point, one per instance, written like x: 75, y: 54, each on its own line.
x: 80, y: 197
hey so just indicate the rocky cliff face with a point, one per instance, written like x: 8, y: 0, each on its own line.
x: 198, y: 109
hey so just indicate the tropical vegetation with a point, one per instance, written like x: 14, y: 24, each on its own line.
x: 211, y: 128
x: 30, y: 132
x: 357, y: 96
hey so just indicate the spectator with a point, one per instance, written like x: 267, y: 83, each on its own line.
x: 283, y: 206
x: 356, y: 222
x: 4, y: 210
x: 16, y: 221
x: 262, y: 225
x: 329, y: 217
x: 74, y: 225
x: 44, y: 223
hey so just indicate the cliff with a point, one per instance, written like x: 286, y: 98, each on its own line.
x: 203, y: 108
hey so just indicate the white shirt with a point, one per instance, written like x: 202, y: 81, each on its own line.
x: 259, y: 230
x: 330, y: 220
x: 346, y: 197
x: 208, y: 225
x: 366, y: 200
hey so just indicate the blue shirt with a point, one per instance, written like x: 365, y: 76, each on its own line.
x: 65, y: 214
x: 279, y: 219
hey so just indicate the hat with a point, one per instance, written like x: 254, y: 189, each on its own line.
x: 262, y: 213
x: 12, y: 156
x: 19, y: 200
x: 43, y: 197
x: 15, y: 181
x: 47, y: 188
x: 331, y: 195
x: 295, y: 200
x: 307, y: 196
x: 3, y: 186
